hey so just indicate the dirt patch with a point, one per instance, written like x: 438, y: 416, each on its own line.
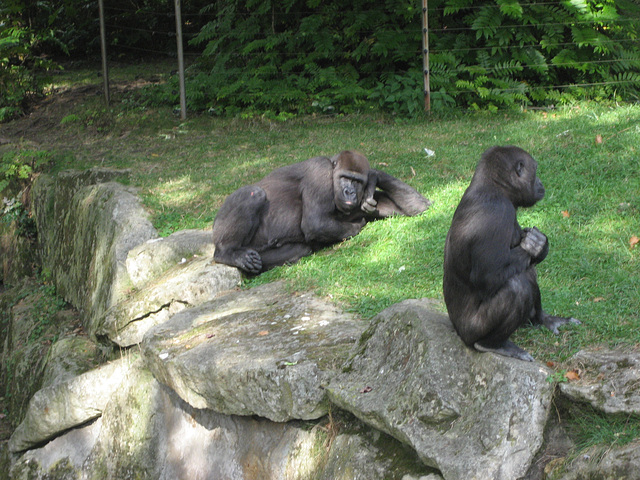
x: 43, y: 125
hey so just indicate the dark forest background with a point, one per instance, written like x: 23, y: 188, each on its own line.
x: 340, y: 56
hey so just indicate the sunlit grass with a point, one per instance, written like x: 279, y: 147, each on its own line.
x: 588, y: 160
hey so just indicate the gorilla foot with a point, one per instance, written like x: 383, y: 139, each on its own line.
x: 507, y: 349
x: 552, y: 322
x: 250, y: 262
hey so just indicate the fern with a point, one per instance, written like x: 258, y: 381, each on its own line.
x: 304, y: 56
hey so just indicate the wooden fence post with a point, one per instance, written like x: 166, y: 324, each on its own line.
x: 425, y: 56
x: 103, y: 47
x: 183, y: 94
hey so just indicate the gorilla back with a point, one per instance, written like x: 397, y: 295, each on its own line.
x: 300, y: 208
x: 490, y: 282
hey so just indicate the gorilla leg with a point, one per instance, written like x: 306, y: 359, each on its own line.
x: 235, y: 226
x: 502, y: 314
x: 288, y: 253
x: 540, y: 317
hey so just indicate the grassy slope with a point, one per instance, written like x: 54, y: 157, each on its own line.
x: 590, y: 213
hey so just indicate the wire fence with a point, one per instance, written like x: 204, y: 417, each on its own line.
x: 196, y: 21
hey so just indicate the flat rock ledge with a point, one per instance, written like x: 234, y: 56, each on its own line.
x: 186, y: 284
x: 609, y: 381
x: 259, y: 352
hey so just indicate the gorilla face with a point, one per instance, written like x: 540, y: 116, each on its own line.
x: 528, y: 185
x: 348, y: 189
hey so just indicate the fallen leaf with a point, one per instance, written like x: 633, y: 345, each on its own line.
x: 566, y: 214
x: 366, y: 390
x: 634, y: 241
x: 263, y: 333
x: 598, y: 139
x: 572, y: 375
x: 551, y: 364
x: 598, y: 299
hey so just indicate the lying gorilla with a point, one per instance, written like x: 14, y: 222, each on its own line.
x: 300, y: 208
x: 490, y: 283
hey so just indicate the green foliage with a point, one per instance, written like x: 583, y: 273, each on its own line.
x: 557, y: 377
x: 510, y: 53
x: 19, y: 165
x: 265, y: 58
x: 22, y: 70
x: 16, y: 170
x: 593, y: 429
x: 14, y: 211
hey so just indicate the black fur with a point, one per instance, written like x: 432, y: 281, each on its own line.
x: 300, y: 208
x: 490, y: 283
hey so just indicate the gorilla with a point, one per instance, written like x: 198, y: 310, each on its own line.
x: 300, y: 208
x: 490, y: 283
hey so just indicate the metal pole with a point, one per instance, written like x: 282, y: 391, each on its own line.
x: 425, y: 56
x: 183, y: 92
x: 103, y: 45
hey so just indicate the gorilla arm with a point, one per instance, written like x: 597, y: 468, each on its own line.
x: 494, y: 258
x: 394, y: 197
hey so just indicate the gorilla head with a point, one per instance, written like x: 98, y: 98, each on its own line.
x: 350, y: 176
x: 514, y: 172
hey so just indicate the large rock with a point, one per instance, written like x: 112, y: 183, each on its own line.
x: 38, y: 345
x: 147, y: 432
x: 187, y: 284
x: 151, y: 259
x: 471, y: 415
x: 610, y: 380
x: 263, y: 351
x: 86, y: 228
x: 67, y: 404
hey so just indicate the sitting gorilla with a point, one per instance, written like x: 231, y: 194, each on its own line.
x: 300, y: 208
x: 490, y: 283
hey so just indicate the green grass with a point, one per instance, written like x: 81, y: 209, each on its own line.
x: 592, y: 429
x: 184, y: 170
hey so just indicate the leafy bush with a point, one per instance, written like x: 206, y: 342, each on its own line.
x: 19, y: 165
x: 502, y: 53
x: 306, y: 56
x: 22, y: 72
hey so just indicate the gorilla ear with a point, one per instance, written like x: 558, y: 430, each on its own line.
x: 519, y: 168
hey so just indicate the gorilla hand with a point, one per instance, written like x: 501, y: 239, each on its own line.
x: 534, y: 242
x: 369, y: 205
x: 251, y: 262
